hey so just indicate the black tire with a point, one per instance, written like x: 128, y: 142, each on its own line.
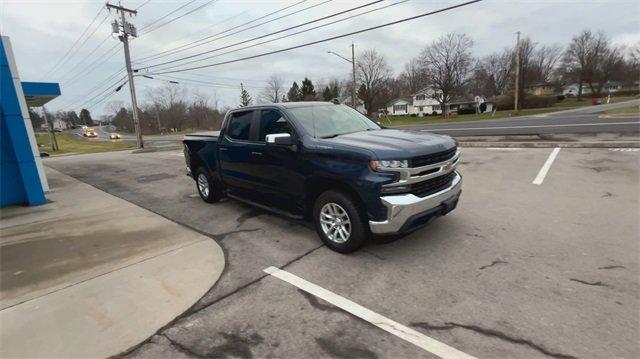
x: 214, y: 193
x: 359, y: 230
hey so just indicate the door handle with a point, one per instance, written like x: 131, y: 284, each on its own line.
x: 256, y: 153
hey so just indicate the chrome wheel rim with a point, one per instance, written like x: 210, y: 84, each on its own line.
x: 203, y: 185
x: 335, y: 222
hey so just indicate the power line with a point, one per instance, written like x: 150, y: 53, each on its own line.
x: 84, y: 42
x: 75, y: 43
x: 278, y: 38
x: 113, y: 86
x: 165, y: 16
x: 181, y: 16
x: 143, y: 4
x: 180, y: 48
x: 85, y: 58
x: 217, y: 24
x: 270, y: 34
x: 213, y: 84
x: 323, y: 40
x: 99, y: 61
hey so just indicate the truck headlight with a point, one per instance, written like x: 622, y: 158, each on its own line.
x: 375, y: 165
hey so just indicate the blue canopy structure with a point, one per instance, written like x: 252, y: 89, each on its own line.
x: 22, y: 178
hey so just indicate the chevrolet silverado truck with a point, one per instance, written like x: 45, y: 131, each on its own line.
x: 328, y: 163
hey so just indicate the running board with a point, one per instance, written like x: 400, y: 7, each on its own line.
x: 266, y: 208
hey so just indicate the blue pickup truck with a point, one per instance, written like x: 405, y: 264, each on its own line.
x: 328, y: 163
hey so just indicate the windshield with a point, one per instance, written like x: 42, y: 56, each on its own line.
x: 332, y: 120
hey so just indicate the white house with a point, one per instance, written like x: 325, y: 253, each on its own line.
x: 360, y: 107
x: 425, y: 104
x: 399, y: 107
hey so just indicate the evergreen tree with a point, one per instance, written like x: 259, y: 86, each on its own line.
x: 245, y: 97
x: 327, y: 94
x: 85, y: 117
x: 307, y: 91
x: 294, y: 93
x: 36, y: 119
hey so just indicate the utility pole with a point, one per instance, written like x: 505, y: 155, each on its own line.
x: 516, y: 97
x: 128, y: 30
x: 52, y: 135
x: 353, y: 66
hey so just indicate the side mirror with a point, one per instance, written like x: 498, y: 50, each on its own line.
x: 278, y: 139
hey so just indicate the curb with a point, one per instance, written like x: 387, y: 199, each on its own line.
x: 551, y: 144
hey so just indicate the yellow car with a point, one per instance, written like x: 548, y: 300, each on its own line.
x: 89, y: 132
x: 114, y: 136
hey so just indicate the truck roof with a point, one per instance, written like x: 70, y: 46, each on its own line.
x: 288, y: 105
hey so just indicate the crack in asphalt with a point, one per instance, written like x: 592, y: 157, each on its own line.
x: 497, y: 261
x: 597, y: 284
x: 494, y: 334
x: 612, y: 267
x: 182, y: 348
x: 223, y: 235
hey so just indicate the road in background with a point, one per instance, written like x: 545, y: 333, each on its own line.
x: 584, y: 120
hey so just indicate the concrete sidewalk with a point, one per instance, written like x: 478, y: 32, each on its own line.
x: 89, y: 274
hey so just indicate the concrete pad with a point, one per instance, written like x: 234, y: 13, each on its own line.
x: 92, y: 275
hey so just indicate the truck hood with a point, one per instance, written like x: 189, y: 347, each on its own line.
x: 391, y: 144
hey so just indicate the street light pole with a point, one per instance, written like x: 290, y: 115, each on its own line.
x: 516, y: 96
x: 353, y: 66
x: 353, y: 72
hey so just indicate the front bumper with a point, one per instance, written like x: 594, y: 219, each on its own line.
x: 407, y: 211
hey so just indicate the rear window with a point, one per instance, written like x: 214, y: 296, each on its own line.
x: 240, y: 125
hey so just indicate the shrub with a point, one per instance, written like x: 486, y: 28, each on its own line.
x: 560, y: 98
x: 466, y: 111
x: 413, y: 115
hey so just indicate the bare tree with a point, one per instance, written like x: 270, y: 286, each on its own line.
x: 545, y: 62
x: 372, y: 73
x: 273, y: 92
x: 447, y: 63
x: 413, y: 76
x: 590, y: 58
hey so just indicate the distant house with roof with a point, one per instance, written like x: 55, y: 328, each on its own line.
x: 541, y: 89
x: 360, y: 107
x: 399, y: 107
x: 609, y: 87
x: 425, y: 104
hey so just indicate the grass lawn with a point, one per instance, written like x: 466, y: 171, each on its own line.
x: 560, y: 106
x: 624, y: 110
x: 68, y: 144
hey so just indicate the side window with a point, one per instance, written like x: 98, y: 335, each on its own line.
x: 240, y: 125
x: 271, y: 122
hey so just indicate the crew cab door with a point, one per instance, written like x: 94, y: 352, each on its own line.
x: 238, y: 153
x: 280, y: 167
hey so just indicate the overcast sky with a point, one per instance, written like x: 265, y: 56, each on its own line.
x: 43, y: 31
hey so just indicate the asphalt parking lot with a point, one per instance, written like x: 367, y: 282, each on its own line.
x: 517, y: 270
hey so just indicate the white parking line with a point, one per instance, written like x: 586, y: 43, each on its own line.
x: 545, y: 168
x: 412, y: 336
x: 530, y: 126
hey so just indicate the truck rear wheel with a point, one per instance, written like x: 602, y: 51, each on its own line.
x: 339, y: 222
x: 206, y: 186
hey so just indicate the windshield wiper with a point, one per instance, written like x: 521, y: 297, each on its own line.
x: 331, y: 136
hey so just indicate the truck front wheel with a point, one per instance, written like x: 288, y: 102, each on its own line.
x: 339, y: 222
x: 206, y: 186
